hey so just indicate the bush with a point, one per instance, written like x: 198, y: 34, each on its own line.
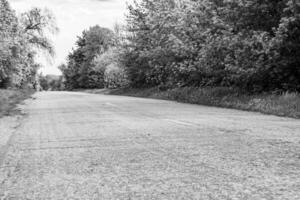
x: 115, y: 76
x: 10, y: 98
x: 281, y: 104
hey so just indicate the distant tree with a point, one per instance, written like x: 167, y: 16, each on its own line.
x: 80, y: 71
x: 43, y: 82
x: 51, y: 82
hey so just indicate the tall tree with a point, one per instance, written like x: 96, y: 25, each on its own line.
x: 250, y: 44
x: 20, y: 41
x: 8, y: 43
x: 36, y: 23
x: 80, y: 71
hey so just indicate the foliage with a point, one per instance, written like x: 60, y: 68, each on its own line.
x: 109, y: 64
x: 36, y: 23
x: 9, y: 98
x: 80, y: 72
x: 282, y: 104
x: 20, y: 39
x: 252, y: 45
x: 249, y: 44
x: 8, y: 46
x: 51, y: 82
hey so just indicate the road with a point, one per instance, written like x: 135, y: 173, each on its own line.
x: 85, y: 146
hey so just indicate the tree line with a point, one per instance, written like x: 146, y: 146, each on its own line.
x: 21, y: 38
x: 253, y: 45
x: 50, y: 82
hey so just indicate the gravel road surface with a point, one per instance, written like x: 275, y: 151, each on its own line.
x: 71, y: 145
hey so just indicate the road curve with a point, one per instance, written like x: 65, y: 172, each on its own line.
x: 85, y: 146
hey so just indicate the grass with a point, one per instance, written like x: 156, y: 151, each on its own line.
x: 285, y: 104
x: 10, y: 98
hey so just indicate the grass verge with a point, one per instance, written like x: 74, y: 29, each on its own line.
x: 285, y: 104
x: 10, y: 98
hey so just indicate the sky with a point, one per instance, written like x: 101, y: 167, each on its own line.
x: 73, y: 16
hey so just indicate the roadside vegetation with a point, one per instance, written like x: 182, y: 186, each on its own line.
x: 280, y: 104
x: 231, y: 53
x: 9, y: 98
x: 22, y: 37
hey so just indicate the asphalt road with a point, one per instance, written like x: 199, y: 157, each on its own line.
x: 84, y: 146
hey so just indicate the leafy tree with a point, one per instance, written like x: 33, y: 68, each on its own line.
x: 250, y: 44
x: 51, y: 82
x: 285, y: 64
x: 35, y: 24
x: 109, y: 65
x: 8, y: 48
x: 20, y: 40
x: 80, y: 71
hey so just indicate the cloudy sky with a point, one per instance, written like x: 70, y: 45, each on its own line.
x: 73, y: 16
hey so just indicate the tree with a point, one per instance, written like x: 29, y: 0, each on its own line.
x: 249, y: 44
x: 8, y: 49
x: 285, y: 64
x: 21, y: 38
x: 51, y: 82
x: 109, y: 65
x: 80, y: 71
x: 35, y: 24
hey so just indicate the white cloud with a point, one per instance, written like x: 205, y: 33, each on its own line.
x: 74, y: 16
